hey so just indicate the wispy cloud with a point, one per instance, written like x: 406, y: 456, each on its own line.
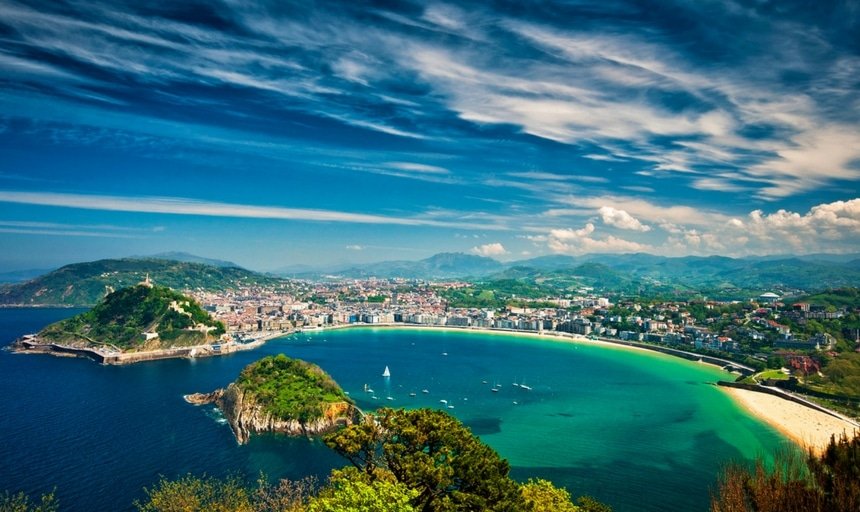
x: 185, y: 206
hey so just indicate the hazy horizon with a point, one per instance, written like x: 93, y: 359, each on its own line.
x: 273, y: 134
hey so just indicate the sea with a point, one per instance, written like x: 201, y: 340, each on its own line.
x: 638, y: 430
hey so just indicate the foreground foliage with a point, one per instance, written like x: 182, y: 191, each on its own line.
x: 290, y: 389
x: 21, y: 503
x: 402, y: 461
x: 829, y: 482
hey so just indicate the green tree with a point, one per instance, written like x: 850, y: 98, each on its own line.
x: 192, y: 494
x: 21, y: 503
x: 434, y: 454
x: 543, y: 496
x: 829, y: 482
x: 349, y: 490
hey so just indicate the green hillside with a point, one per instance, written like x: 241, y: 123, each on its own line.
x: 290, y: 389
x: 123, y: 316
x: 84, y: 284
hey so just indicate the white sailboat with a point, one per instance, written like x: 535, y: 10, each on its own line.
x: 387, y: 372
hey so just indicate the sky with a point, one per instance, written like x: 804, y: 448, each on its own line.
x: 281, y: 133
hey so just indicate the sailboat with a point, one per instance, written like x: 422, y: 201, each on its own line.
x: 387, y: 372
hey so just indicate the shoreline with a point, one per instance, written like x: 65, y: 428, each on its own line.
x: 804, y: 425
x: 809, y: 428
x: 31, y: 344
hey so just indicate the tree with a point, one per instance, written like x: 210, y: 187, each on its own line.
x: 828, y: 482
x: 543, y: 496
x: 192, y: 494
x: 21, y: 503
x: 350, y: 490
x: 434, y: 454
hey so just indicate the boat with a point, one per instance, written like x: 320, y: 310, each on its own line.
x: 527, y: 388
x: 373, y: 397
x: 443, y: 401
x: 368, y: 390
x: 387, y: 372
x: 483, y: 382
x: 495, y: 390
x: 450, y: 406
x: 411, y: 394
x: 389, y: 398
x: 444, y: 353
x: 515, y: 402
x: 425, y: 391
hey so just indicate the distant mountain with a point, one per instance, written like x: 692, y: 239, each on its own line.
x: 83, y: 284
x: 697, y: 272
x: 442, y: 265
x: 190, y: 258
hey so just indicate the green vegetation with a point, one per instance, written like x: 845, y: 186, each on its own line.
x: 772, y: 375
x: 84, y: 284
x: 828, y: 482
x: 290, y: 389
x: 837, y: 298
x: 435, y: 456
x: 122, y: 317
x: 840, y: 376
x: 349, y: 490
x: 21, y: 503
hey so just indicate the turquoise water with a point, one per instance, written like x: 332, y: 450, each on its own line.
x: 641, y: 431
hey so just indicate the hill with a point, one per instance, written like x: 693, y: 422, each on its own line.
x: 439, y: 266
x: 279, y: 394
x: 191, y: 258
x: 123, y: 316
x: 84, y: 284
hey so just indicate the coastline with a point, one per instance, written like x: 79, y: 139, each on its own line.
x: 803, y: 425
x: 807, y: 427
x: 31, y: 344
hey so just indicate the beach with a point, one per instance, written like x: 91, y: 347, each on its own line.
x: 805, y: 426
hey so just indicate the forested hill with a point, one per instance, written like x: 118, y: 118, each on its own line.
x: 123, y: 316
x: 84, y: 284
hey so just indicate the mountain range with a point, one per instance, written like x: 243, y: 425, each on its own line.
x: 87, y: 283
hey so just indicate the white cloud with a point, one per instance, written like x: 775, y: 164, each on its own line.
x: 621, y: 219
x: 419, y: 168
x: 185, y: 206
x: 580, y: 241
x: 490, y: 250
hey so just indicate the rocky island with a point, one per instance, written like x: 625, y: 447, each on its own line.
x: 138, y: 323
x: 279, y: 394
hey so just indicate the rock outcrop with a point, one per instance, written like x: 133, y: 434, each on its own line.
x: 247, y: 417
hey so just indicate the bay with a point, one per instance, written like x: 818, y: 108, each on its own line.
x: 638, y: 430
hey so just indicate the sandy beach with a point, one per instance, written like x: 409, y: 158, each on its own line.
x: 803, y: 425
x: 807, y: 427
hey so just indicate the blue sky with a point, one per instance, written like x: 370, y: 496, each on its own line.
x: 279, y: 133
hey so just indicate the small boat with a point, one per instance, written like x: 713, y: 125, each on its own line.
x: 425, y: 391
x: 450, y: 406
x: 389, y: 398
x: 515, y: 402
x: 387, y: 372
x: 444, y: 353
x: 495, y: 390
x: 527, y: 388
x: 369, y: 390
x: 411, y: 394
x: 517, y: 385
x: 483, y: 382
x: 373, y: 397
x: 443, y: 401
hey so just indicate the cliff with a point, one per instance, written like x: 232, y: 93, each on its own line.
x: 278, y: 394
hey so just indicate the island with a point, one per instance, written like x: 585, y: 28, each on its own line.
x: 283, y: 395
x: 138, y: 323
